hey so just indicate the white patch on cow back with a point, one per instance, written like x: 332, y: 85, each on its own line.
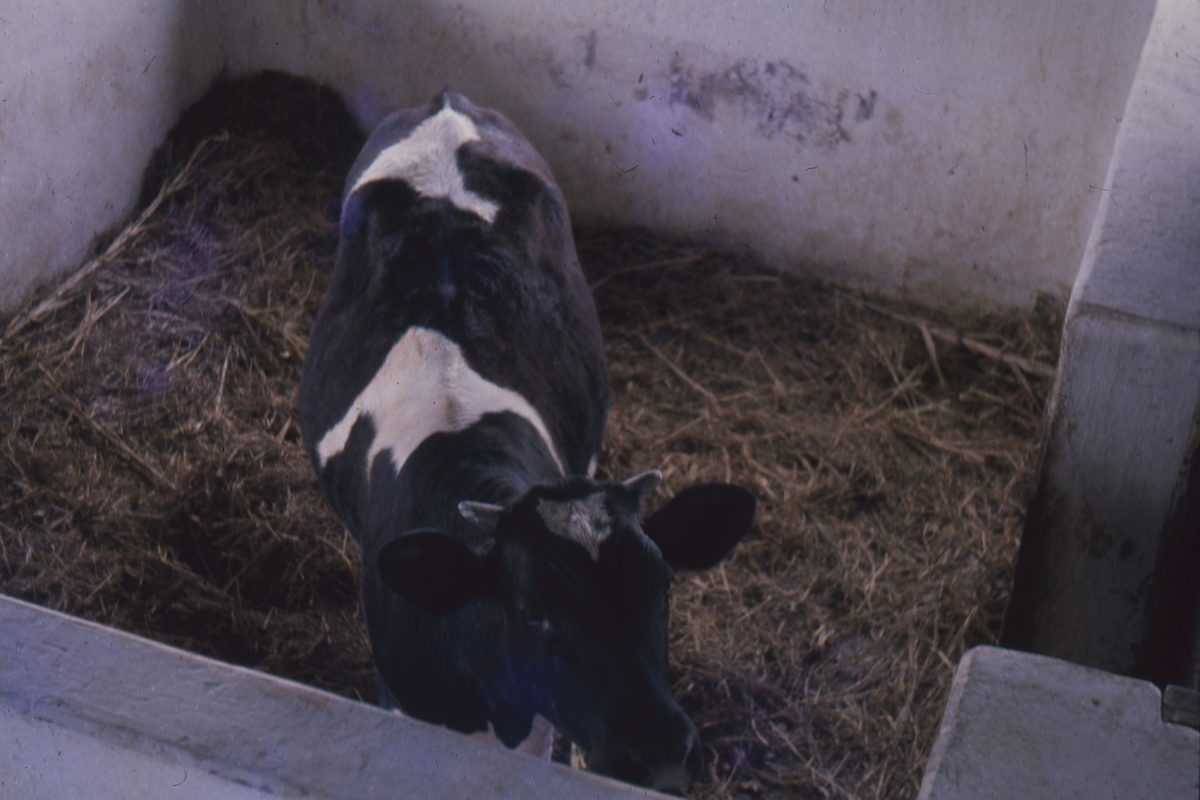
x: 425, y: 386
x: 426, y: 160
x: 585, y: 521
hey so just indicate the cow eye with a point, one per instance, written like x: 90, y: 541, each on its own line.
x: 535, y: 621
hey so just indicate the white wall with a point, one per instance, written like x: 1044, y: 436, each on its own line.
x: 942, y: 150
x: 952, y: 152
x: 87, y: 91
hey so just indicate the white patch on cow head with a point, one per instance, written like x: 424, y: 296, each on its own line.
x: 425, y: 386
x: 427, y: 161
x: 585, y: 521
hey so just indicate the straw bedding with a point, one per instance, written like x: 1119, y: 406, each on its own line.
x: 152, y: 477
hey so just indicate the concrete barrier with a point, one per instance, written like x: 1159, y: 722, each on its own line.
x: 1036, y: 728
x: 1107, y: 572
x: 91, y: 712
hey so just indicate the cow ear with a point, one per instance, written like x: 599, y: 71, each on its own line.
x: 701, y: 525
x: 435, y: 570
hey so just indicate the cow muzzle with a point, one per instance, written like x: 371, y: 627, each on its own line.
x: 667, y: 758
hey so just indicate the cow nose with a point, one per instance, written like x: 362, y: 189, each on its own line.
x: 677, y: 776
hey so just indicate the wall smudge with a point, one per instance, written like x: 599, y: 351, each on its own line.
x: 780, y: 95
x: 589, y: 56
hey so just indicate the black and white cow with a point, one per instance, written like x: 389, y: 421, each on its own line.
x: 453, y: 403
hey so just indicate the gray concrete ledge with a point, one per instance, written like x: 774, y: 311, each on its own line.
x: 90, y: 712
x: 1027, y: 726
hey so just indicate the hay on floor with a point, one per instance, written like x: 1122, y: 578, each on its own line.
x: 152, y: 478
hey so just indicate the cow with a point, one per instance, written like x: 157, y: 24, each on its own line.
x: 452, y: 403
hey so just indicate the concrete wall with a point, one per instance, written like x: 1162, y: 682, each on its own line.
x: 946, y: 151
x: 1109, y: 564
x: 87, y: 91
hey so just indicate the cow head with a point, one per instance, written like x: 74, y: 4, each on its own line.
x: 582, y: 580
